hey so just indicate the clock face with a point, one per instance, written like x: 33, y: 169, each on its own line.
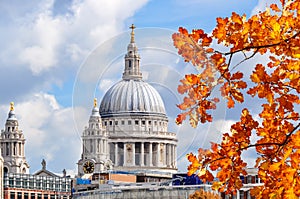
x: 88, y: 167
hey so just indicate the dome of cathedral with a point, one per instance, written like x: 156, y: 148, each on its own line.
x: 132, y: 97
x: 135, y: 136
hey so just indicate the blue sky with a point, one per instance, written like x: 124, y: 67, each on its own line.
x: 47, y: 45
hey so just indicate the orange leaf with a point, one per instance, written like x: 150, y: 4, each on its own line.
x: 237, y: 75
x: 206, y: 41
x: 274, y: 7
x: 230, y: 103
x: 275, y: 166
x: 192, y: 79
x: 238, y: 96
x: 183, y: 31
x: 236, y: 18
x: 209, y: 50
x: 180, y: 118
x: 214, y: 146
x: 241, y: 84
x: 191, y: 157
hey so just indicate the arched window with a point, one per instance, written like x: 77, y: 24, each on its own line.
x: 5, y: 170
x: 129, y: 63
x: 7, y: 149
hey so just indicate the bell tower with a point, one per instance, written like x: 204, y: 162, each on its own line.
x: 95, y: 154
x: 12, y: 145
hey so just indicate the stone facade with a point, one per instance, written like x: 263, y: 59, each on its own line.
x: 1, y: 177
x: 133, y: 127
x: 12, y: 145
x: 95, y: 152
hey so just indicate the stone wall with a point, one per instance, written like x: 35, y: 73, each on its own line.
x: 158, y: 192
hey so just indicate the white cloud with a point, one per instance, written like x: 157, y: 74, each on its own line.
x: 105, y: 84
x: 40, y: 40
x: 262, y: 4
x: 42, y: 53
x: 75, y: 52
x: 40, y: 47
x: 49, y: 131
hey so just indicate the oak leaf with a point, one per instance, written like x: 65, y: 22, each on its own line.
x: 273, y: 87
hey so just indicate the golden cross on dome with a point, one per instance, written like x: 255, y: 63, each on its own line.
x: 132, y: 27
x: 12, y: 106
x: 95, y: 102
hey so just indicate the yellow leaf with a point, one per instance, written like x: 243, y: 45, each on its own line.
x: 275, y: 166
x: 236, y: 18
x: 201, y: 172
x: 254, y: 77
x: 273, y: 195
x: 216, y: 185
x: 276, y: 27
x: 295, y: 52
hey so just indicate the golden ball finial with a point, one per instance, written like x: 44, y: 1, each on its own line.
x: 95, y: 102
x: 12, y: 106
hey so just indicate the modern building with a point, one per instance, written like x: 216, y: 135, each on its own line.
x: 129, y: 131
x: 26, y: 186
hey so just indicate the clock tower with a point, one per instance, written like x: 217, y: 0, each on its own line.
x: 95, y: 154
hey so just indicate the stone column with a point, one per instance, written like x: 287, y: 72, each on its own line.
x: 104, y: 146
x: 23, y: 149
x: 98, y: 150
x: 158, y: 155
x: 133, y: 154
x: 150, y: 154
x: 164, y: 155
x: 125, y: 154
x: 107, y: 147
x: 17, y: 149
x: 169, y: 158
x: 116, y: 154
x: 142, y: 154
x: 172, y: 155
x: 12, y: 148
x: 175, y: 156
x: 83, y: 147
x: 99, y: 146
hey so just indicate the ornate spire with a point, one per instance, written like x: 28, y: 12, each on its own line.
x: 132, y: 27
x: 132, y: 60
